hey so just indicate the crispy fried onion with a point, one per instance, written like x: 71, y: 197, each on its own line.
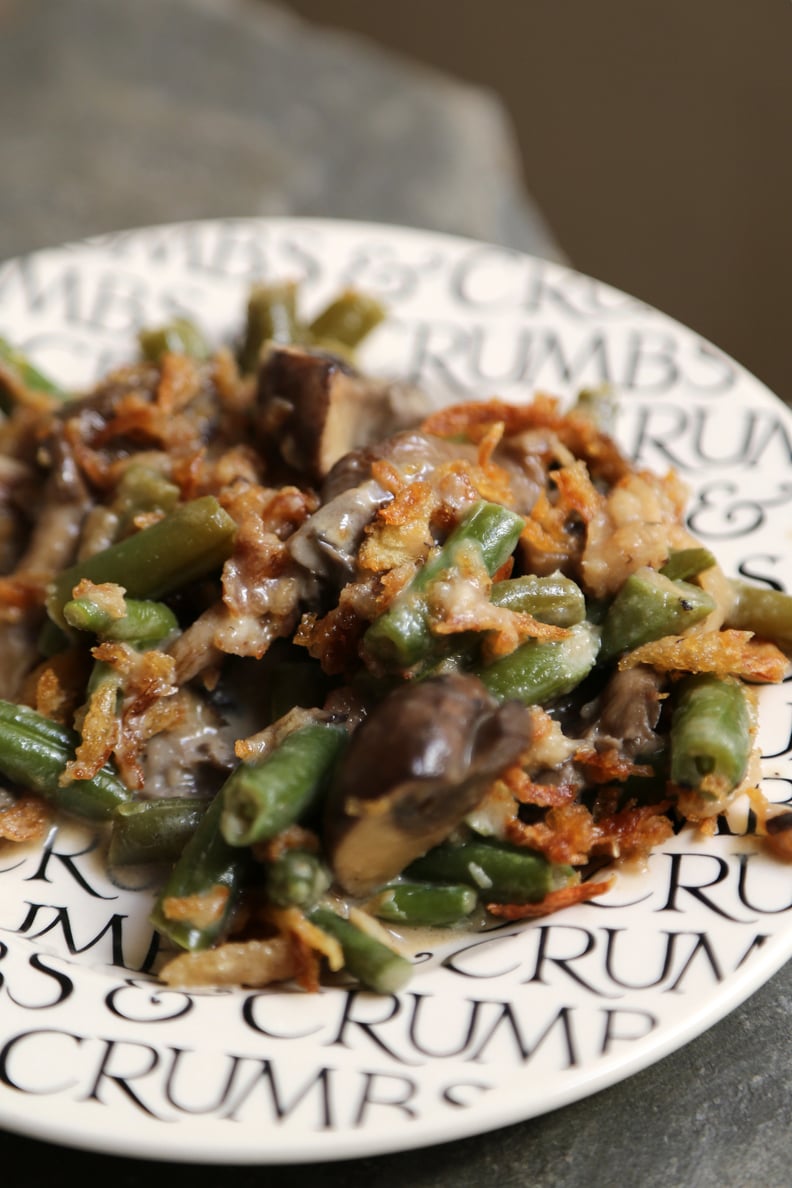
x: 403, y: 530
x: 201, y: 910
x: 107, y: 595
x: 124, y: 710
x: 551, y: 538
x: 236, y: 963
x: 257, y: 746
x: 638, y: 523
x: 724, y: 653
x: 333, y: 639
x: 459, y: 601
x: 485, y: 477
x: 570, y: 834
x: 400, y: 533
x: 295, y: 952
x: 578, y: 432
x: 261, y: 585
x: 553, y: 902
x: 26, y: 819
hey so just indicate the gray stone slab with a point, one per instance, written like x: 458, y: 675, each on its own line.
x: 118, y: 114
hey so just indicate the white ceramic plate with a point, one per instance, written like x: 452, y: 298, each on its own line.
x: 492, y: 1029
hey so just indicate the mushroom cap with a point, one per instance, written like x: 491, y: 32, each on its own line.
x: 314, y: 408
x: 413, y: 770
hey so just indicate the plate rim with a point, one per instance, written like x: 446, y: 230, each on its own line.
x: 741, y: 985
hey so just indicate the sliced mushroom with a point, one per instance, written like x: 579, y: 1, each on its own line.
x: 327, y: 543
x: 414, y: 768
x: 316, y: 409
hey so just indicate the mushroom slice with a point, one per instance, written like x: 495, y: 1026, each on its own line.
x: 315, y: 408
x: 327, y: 543
x: 414, y: 768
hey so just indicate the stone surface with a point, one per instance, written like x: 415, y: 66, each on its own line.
x: 116, y: 114
x: 126, y: 114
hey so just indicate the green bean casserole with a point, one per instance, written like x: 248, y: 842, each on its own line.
x: 340, y: 664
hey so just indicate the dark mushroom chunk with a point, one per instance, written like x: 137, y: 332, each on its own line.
x: 779, y: 833
x: 315, y: 408
x: 418, y: 764
x: 629, y: 711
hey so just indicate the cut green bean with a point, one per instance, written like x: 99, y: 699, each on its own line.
x: 424, y: 904
x: 498, y: 872
x: 762, y: 610
x: 347, y: 320
x: 107, y: 679
x: 539, y: 671
x: 271, y: 317
x: 684, y: 564
x: 207, y: 864
x: 261, y: 799
x: 401, y: 637
x: 145, y: 623
x: 297, y: 878
x: 374, y: 964
x: 15, y: 365
x: 153, y: 830
x: 52, y: 639
x: 34, y: 752
x: 553, y: 598
x: 649, y: 606
x: 710, y: 735
x: 142, y: 490
x: 190, y: 543
x: 177, y: 337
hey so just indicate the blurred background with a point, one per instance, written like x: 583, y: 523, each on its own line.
x: 645, y: 143
x: 656, y: 138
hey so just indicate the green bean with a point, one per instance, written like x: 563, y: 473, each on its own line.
x: 140, y: 491
x: 271, y: 317
x: 401, y: 637
x: 16, y: 368
x: 649, y: 606
x: 710, y: 734
x: 145, y: 623
x: 177, y: 337
x: 102, y: 674
x: 554, y: 599
x: 762, y: 610
x: 424, y: 904
x: 539, y: 671
x: 51, y: 640
x: 206, y: 863
x: 684, y: 564
x: 297, y: 878
x: 374, y: 964
x: 498, y: 872
x: 34, y: 751
x: 261, y: 799
x: 103, y: 691
x: 192, y: 542
x: 153, y: 830
x: 347, y: 320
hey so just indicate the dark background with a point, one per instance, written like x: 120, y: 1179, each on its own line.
x: 655, y: 137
